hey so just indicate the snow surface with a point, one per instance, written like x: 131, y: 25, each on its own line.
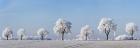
x: 123, y: 37
x: 68, y: 44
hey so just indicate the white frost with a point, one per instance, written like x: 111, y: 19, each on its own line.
x: 7, y: 33
x: 123, y: 37
x: 42, y: 32
x: 85, y: 32
x: 21, y: 32
x: 107, y: 23
x: 131, y: 28
x: 62, y: 25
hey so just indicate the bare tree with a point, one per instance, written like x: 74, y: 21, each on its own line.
x: 106, y: 25
x: 7, y: 33
x: 62, y: 26
x: 42, y: 33
x: 131, y: 28
x: 21, y: 33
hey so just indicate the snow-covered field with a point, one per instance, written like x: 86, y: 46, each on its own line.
x: 31, y: 44
x: 68, y: 44
x: 102, y: 44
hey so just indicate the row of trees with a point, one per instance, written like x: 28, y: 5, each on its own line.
x: 106, y: 25
x: 8, y: 33
x: 63, y: 27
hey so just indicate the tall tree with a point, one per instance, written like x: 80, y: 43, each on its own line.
x: 106, y: 25
x: 131, y: 28
x: 21, y: 33
x: 7, y: 33
x: 62, y: 26
x: 42, y: 33
x: 85, y: 32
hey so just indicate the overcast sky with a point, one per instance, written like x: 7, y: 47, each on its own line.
x: 34, y: 14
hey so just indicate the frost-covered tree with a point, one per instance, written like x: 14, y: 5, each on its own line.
x: 7, y: 33
x: 42, y: 33
x: 21, y: 33
x: 131, y: 28
x: 85, y: 32
x: 62, y: 26
x: 106, y: 25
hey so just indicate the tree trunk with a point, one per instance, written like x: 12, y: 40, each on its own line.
x: 6, y: 37
x: 132, y: 34
x: 21, y: 37
x: 42, y: 37
x: 132, y: 38
x: 114, y: 35
x: 107, y: 33
x: 106, y: 37
x: 86, y: 36
x: 62, y: 38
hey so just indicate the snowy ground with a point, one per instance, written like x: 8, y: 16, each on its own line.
x: 102, y: 44
x: 31, y: 44
x: 68, y: 44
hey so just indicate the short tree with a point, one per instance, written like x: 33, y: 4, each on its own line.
x: 7, y: 33
x: 42, y: 33
x: 62, y: 26
x: 21, y: 33
x: 85, y: 32
x: 106, y: 25
x: 131, y: 28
